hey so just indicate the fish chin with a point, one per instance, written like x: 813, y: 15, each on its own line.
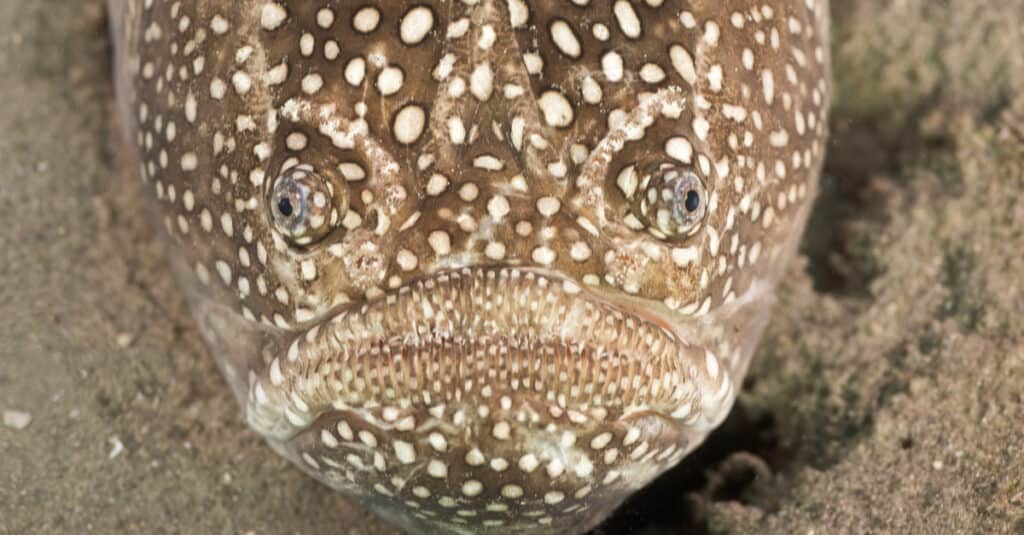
x: 510, y: 395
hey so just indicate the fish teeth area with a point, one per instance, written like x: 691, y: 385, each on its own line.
x: 497, y: 395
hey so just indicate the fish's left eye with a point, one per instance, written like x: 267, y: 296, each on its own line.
x: 304, y: 206
x: 673, y: 204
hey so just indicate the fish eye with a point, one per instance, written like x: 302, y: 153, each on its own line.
x: 673, y: 203
x: 304, y: 206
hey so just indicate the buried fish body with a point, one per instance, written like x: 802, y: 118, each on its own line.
x: 484, y: 265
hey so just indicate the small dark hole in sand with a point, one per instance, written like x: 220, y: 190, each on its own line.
x: 906, y: 443
x: 734, y: 483
x: 664, y: 507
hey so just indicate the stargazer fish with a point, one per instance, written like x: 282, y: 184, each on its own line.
x: 480, y: 265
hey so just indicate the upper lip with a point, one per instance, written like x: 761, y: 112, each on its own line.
x: 598, y: 355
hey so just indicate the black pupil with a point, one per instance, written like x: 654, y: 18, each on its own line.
x: 692, y: 202
x: 285, y: 207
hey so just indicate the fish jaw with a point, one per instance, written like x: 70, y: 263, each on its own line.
x: 512, y: 398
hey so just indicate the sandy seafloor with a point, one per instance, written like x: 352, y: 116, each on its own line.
x: 887, y: 395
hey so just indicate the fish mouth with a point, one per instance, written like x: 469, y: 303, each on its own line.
x: 477, y: 337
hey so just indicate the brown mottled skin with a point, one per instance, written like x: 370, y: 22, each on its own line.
x: 485, y: 265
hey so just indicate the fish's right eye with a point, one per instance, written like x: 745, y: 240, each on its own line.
x: 304, y: 206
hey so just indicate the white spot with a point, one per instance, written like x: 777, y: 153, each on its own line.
x: 390, y: 81
x: 306, y: 44
x: 543, y: 255
x: 501, y: 431
x: 366, y: 19
x: 565, y: 39
x: 498, y: 207
x: 409, y: 124
x: 768, y: 86
x: 475, y: 457
x: 440, y: 242
x: 553, y: 497
x: 242, y: 82
x: 437, y: 469
x: 368, y: 438
x: 548, y: 206
x: 498, y: 464
x: 556, y: 108
x: 224, y: 270
x: 601, y: 441
x: 711, y: 363
x: 519, y: 13
x: 355, y: 71
x: 528, y: 463
x: 481, y: 82
x: 715, y: 78
x: 456, y: 130
x: 628, y: 21
x: 652, y: 73
x: 191, y: 108
x: 218, y: 89
x: 592, y: 93
x: 406, y: 260
x: 437, y: 441
x: 325, y: 18
x: 495, y: 250
x: 189, y: 161
x: 328, y: 439
x: 711, y: 33
x: 555, y: 468
x: 679, y: 148
x: 273, y: 16
x: 701, y: 127
x: 472, y: 488
x: 580, y: 251
x: 611, y: 64
x: 278, y: 74
x: 416, y: 24
x: 682, y: 61
x: 684, y: 256
x: 512, y: 491
x: 219, y: 25
x: 311, y: 83
x: 404, y: 452
x: 308, y: 270
x: 436, y: 185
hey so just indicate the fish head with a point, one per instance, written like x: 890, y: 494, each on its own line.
x: 482, y: 264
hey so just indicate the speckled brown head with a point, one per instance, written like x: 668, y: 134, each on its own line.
x: 479, y: 264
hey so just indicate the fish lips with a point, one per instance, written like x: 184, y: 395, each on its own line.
x: 461, y: 336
